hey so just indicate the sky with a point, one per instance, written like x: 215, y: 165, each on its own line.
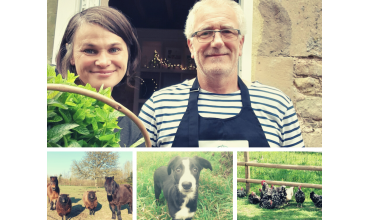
x: 60, y: 162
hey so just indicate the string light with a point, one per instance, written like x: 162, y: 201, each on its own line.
x: 160, y: 63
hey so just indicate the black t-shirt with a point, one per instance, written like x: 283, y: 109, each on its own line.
x: 130, y: 133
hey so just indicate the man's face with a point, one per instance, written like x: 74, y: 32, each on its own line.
x: 216, y: 57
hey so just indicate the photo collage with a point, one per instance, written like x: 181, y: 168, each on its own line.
x: 205, y: 109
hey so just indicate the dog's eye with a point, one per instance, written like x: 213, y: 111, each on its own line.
x: 178, y: 170
x: 195, y: 170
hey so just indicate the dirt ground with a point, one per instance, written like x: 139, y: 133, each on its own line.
x: 79, y: 211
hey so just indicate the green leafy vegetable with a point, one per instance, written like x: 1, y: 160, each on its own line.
x: 78, y: 121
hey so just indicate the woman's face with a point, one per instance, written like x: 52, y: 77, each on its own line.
x: 100, y: 56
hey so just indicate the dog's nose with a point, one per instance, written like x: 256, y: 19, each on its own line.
x: 186, y: 185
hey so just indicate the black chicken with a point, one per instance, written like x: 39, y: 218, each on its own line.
x: 264, y: 188
x: 316, y: 199
x: 277, y: 197
x: 241, y: 193
x: 299, y: 196
x: 253, y: 198
x: 267, y: 204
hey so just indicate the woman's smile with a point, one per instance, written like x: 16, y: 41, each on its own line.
x: 100, y: 56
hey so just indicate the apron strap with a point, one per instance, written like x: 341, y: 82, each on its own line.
x: 193, y: 121
x: 244, y: 93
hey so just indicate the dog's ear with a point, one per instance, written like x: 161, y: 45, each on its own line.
x: 172, y: 163
x: 203, y: 162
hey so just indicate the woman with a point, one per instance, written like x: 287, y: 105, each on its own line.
x: 101, y: 47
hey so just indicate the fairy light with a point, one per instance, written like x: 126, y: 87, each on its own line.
x: 163, y: 63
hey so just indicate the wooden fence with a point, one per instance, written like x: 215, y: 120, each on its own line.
x: 247, y: 164
x: 85, y: 182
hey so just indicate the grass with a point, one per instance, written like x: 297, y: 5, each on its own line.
x: 215, y: 187
x: 308, y: 211
x: 78, y: 209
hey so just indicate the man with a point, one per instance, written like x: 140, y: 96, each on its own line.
x: 217, y: 109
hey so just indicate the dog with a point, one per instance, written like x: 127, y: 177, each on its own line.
x: 179, y: 182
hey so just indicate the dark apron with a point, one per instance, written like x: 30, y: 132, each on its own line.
x: 244, y: 126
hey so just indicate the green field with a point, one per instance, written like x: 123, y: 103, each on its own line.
x: 78, y: 209
x: 215, y: 187
x: 290, y: 211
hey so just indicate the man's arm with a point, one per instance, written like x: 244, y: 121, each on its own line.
x: 147, y: 116
x: 291, y: 131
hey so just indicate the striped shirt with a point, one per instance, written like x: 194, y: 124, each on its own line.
x: 162, y: 113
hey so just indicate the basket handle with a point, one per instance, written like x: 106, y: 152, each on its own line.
x: 106, y: 100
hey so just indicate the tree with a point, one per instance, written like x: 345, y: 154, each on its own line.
x: 129, y: 179
x: 127, y: 169
x: 95, y: 165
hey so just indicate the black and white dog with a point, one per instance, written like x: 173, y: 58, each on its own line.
x: 179, y: 182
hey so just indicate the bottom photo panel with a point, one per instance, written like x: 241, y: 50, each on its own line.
x: 279, y: 185
x: 89, y: 185
x: 185, y: 185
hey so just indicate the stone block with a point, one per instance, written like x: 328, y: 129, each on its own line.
x: 276, y: 72
x: 289, y: 28
x: 276, y: 29
x: 310, y: 107
x: 306, y: 27
x: 308, y: 67
x: 304, y: 83
x: 308, y: 85
x: 313, y: 139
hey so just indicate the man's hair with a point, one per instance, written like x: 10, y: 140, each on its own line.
x: 108, y: 18
x: 189, y: 25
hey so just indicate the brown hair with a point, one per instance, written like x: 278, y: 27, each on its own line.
x: 110, y: 19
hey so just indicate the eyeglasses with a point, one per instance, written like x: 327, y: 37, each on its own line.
x: 206, y: 36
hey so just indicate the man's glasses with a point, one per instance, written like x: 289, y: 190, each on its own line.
x: 207, y: 36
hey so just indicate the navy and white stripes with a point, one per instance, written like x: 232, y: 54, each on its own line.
x: 162, y: 113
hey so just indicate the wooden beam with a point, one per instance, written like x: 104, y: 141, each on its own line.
x: 280, y: 183
x: 281, y: 166
x: 247, y: 172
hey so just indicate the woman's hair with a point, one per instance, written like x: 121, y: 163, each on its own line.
x: 108, y: 18
x: 203, y: 4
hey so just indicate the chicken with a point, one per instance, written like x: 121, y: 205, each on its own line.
x: 279, y: 196
x: 281, y: 191
x: 267, y: 204
x: 253, y: 198
x: 276, y: 199
x: 316, y: 199
x: 289, y: 194
x: 241, y: 193
x: 299, y: 196
x: 264, y: 188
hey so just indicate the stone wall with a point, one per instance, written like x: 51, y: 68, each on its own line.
x: 287, y: 54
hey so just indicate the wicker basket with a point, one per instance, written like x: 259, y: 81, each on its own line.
x: 108, y: 101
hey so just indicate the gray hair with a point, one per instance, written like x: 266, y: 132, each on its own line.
x: 189, y: 25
